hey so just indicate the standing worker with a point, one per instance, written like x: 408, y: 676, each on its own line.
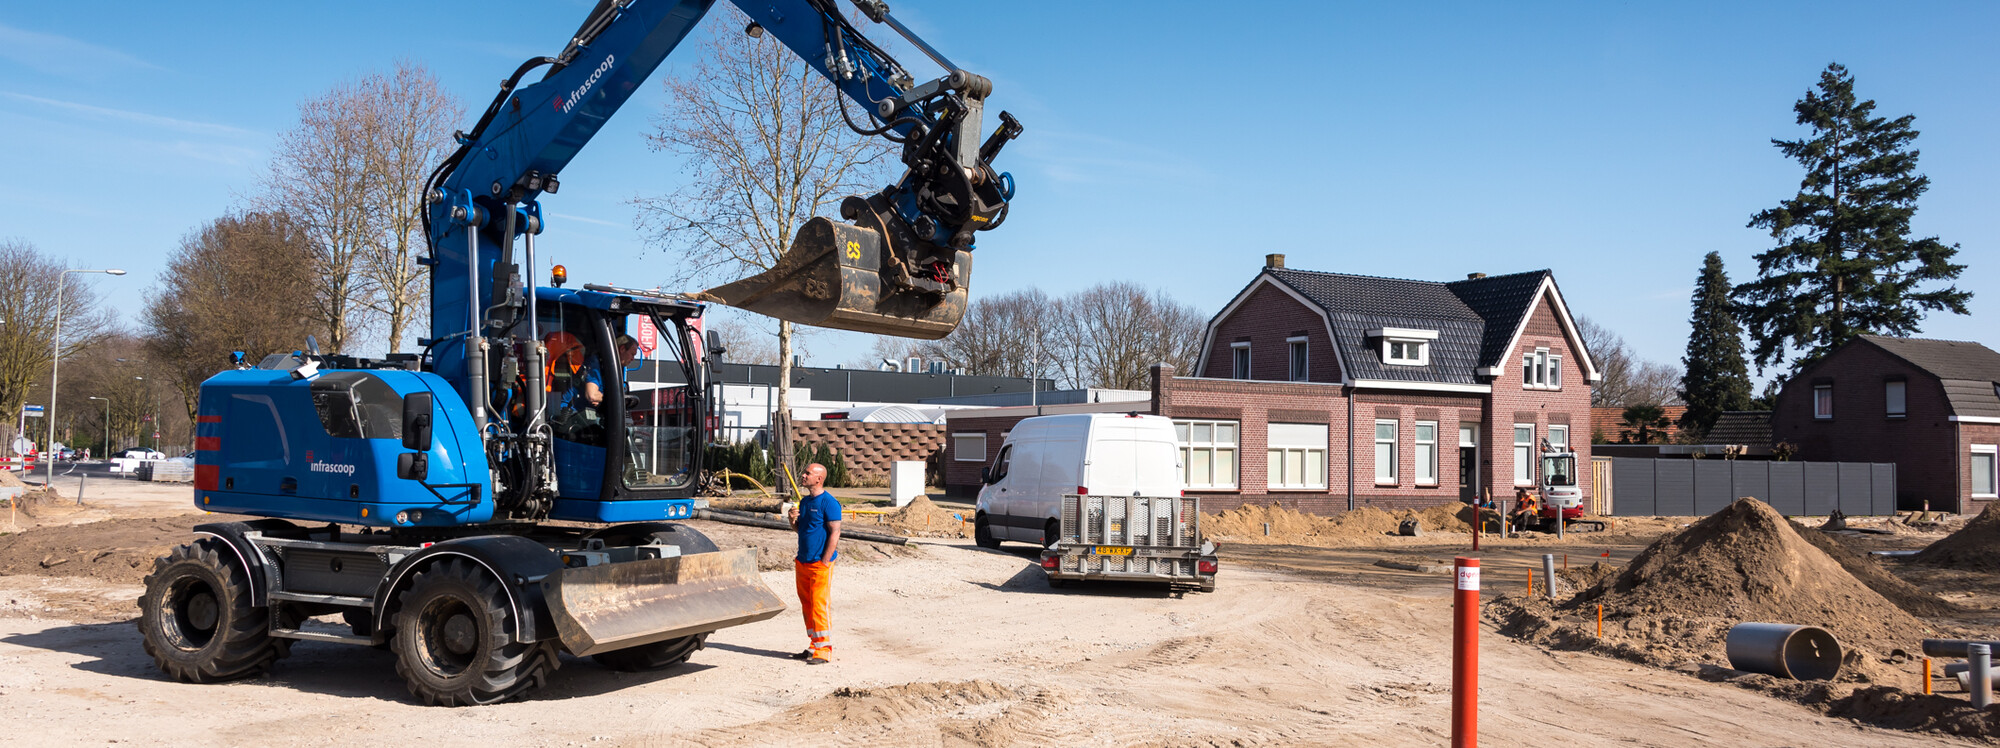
x: 817, y: 519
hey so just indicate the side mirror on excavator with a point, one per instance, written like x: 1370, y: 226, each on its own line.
x: 416, y: 435
x: 715, y: 347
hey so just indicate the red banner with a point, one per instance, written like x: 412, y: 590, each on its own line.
x: 648, y: 336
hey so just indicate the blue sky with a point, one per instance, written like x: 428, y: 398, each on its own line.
x: 1172, y: 144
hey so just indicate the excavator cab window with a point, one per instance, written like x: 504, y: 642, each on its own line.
x: 1560, y: 470
x: 663, y: 420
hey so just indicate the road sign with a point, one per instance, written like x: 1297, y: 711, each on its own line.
x: 156, y: 434
x: 31, y: 411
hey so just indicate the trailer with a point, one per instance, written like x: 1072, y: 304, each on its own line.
x: 1132, y: 539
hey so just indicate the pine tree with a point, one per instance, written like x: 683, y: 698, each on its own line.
x: 1844, y: 264
x: 1716, y: 378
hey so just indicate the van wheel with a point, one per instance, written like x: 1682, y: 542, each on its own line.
x: 982, y: 534
x: 1051, y: 533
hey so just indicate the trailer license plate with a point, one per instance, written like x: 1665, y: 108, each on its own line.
x: 1111, y: 550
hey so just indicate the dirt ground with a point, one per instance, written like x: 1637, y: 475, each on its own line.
x: 939, y: 644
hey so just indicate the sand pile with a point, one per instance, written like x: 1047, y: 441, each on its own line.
x: 921, y: 518
x: 1677, y: 600
x: 1974, y: 546
x: 1246, y: 524
x: 115, y: 550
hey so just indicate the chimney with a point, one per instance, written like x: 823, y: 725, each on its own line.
x: 1274, y: 261
x: 1474, y: 276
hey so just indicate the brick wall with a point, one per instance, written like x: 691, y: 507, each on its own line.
x: 869, y: 448
x: 961, y: 476
x: 1265, y: 319
x: 1961, y: 462
x: 1512, y: 404
x: 1925, y: 444
x: 1254, y: 406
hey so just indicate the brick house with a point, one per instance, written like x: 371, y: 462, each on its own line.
x: 1930, y: 406
x: 1325, y: 392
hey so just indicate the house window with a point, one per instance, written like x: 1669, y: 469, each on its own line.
x: 1385, y: 453
x: 1823, y: 401
x: 1427, y: 453
x: 1896, y: 394
x: 1299, y: 368
x: 1541, y: 370
x: 1559, y: 438
x: 1524, y: 454
x: 1298, y: 455
x: 1239, y: 360
x: 1984, y: 481
x: 1208, y: 454
x: 1403, y: 346
x: 968, y: 446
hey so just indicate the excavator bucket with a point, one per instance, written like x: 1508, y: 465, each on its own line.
x: 626, y: 604
x: 837, y: 275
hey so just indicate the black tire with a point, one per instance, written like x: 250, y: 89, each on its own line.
x: 650, y: 657
x: 455, y: 642
x: 982, y: 534
x: 197, y: 620
x: 1055, y: 583
x: 1051, y: 533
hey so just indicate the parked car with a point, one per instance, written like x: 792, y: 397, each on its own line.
x: 68, y: 454
x: 141, y: 453
x: 1084, y: 453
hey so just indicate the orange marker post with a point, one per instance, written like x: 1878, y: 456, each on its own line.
x: 1531, y: 580
x: 1927, y: 676
x: 1465, y: 655
x: 1600, y: 621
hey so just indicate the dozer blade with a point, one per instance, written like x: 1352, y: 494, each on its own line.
x: 834, y: 276
x: 625, y: 604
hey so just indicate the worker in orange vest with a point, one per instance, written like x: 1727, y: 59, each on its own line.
x: 817, y: 519
x: 1526, y: 506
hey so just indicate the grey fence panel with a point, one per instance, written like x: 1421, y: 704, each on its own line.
x: 1822, y: 487
x: 1750, y: 478
x: 1855, y: 487
x: 1788, y: 487
x: 1632, y: 483
x: 1883, y: 481
x: 1712, y: 484
x: 1673, y: 487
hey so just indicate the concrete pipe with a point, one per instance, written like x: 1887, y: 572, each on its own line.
x: 1784, y: 650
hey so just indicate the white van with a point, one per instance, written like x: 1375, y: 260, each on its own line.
x: 1084, y: 453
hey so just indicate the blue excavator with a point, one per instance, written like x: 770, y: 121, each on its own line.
x: 503, y: 497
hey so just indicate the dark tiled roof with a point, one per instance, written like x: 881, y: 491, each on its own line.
x: 1357, y: 303
x: 1475, y: 319
x: 1968, y: 370
x: 1751, y: 427
x: 1502, y: 300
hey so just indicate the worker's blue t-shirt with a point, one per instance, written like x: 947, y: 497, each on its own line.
x: 814, y: 513
x: 572, y: 398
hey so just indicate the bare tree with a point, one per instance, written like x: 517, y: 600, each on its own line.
x: 1628, y: 380
x: 408, y: 118
x: 28, y: 281
x: 1011, y: 334
x: 764, y: 143
x: 236, y: 284
x: 321, y: 177
x: 1110, y: 335
x: 116, y: 380
x: 744, y: 343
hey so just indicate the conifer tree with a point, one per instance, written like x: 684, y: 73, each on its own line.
x: 1717, y: 378
x: 1844, y: 264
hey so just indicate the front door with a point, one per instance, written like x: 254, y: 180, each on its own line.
x: 1468, y: 463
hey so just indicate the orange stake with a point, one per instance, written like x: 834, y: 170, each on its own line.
x: 1927, y: 676
x: 1565, y: 561
x: 1531, y: 580
x: 1600, y: 622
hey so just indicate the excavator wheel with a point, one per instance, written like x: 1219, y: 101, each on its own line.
x: 197, y: 619
x: 455, y: 642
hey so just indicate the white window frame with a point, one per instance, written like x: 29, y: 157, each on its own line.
x: 1395, y: 435
x: 1215, y: 451
x: 1524, y: 455
x: 1896, y: 398
x: 1820, y: 414
x: 1426, y: 463
x: 1992, y: 470
x: 1279, y: 449
x: 1298, y: 356
x: 1560, y: 444
x: 1239, y: 360
x: 958, y: 450
x: 1541, y: 370
x: 1420, y: 348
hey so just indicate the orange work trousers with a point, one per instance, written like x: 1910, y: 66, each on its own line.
x: 815, y: 581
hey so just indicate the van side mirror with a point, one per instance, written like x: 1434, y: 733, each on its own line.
x: 417, y: 421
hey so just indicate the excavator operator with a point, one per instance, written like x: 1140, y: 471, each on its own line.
x: 576, y: 388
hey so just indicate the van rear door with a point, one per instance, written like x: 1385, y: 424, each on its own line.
x: 1134, y: 455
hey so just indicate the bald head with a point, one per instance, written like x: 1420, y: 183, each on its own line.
x: 815, y: 478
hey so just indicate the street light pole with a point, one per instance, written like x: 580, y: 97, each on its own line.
x: 55, y: 369
x: 106, y: 446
